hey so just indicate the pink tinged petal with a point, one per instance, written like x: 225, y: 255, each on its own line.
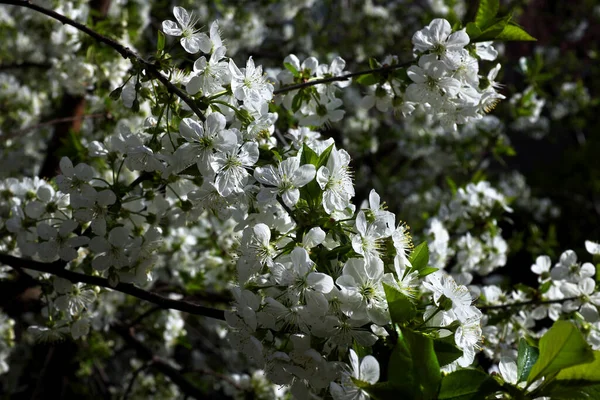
x: 320, y: 282
x: 369, y: 370
x: 171, y: 28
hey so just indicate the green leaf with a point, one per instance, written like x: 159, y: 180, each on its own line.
x: 492, y: 31
x: 401, y: 307
x: 426, y: 366
x: 160, y: 44
x: 426, y: 271
x: 446, y: 351
x: 373, y: 63
x: 297, y: 101
x: 291, y: 68
x: 308, y: 156
x: 528, y: 355
x: 561, y: 347
x: 473, y: 31
x: 401, y: 366
x: 419, y: 258
x: 324, y: 156
x: 391, y: 391
x: 367, y: 80
x: 571, y: 390
x: 466, y: 384
x: 588, y: 373
x: 486, y: 12
x: 515, y: 33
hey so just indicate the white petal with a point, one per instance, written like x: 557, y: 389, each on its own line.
x: 369, y: 370
x: 171, y: 28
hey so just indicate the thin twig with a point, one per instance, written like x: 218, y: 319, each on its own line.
x: 57, y: 268
x: 24, y: 64
x: 526, y: 303
x: 134, y: 377
x: 125, y: 52
x: 159, y: 364
x: 54, y: 122
x: 303, y: 85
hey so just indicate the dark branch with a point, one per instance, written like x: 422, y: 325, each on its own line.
x: 24, y: 64
x: 159, y: 364
x: 534, y: 302
x: 125, y: 52
x: 340, y: 78
x: 58, y: 268
x: 56, y: 121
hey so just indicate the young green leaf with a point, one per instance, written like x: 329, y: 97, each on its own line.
x: 426, y: 366
x: 467, y: 384
x: 419, y: 258
x: 583, y: 373
x: 367, y: 80
x: 160, y: 44
x: 401, y: 307
x: 426, y: 271
x: 514, y: 33
x: 446, y: 351
x: 528, y: 355
x: 561, y: 347
x: 486, y: 12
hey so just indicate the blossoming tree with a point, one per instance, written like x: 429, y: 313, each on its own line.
x: 207, y: 211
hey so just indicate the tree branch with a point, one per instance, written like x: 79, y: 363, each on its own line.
x: 159, y: 364
x: 54, y: 122
x: 340, y: 78
x: 527, y: 303
x: 24, y: 64
x: 125, y: 52
x: 57, y: 268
